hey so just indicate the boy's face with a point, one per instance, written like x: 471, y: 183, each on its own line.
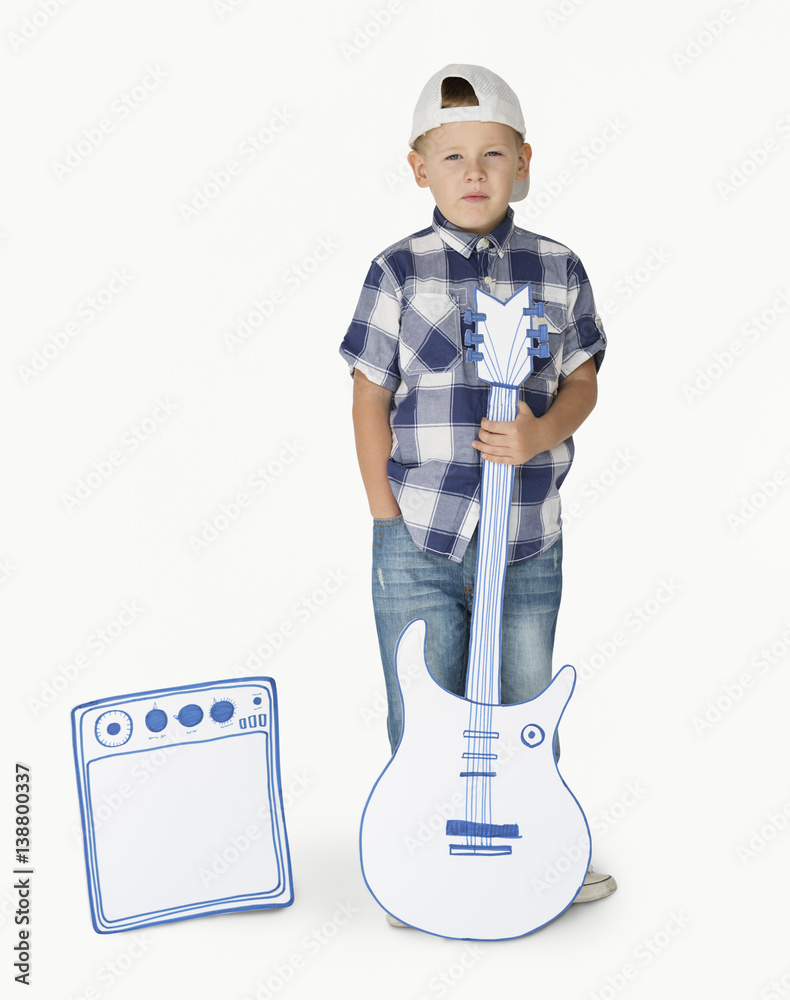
x: 470, y: 168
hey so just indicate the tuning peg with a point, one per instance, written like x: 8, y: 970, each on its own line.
x: 536, y: 310
x: 472, y: 338
x: 472, y: 355
x: 541, y: 351
x: 543, y: 333
x: 473, y: 317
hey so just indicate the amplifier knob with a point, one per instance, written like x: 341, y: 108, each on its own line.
x: 156, y: 720
x: 190, y: 715
x: 221, y: 711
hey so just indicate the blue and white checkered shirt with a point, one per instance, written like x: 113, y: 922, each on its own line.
x: 407, y: 335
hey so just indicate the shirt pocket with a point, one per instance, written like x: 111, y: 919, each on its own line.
x: 548, y: 369
x: 430, y: 333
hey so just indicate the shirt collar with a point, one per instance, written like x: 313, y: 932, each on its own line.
x: 464, y: 242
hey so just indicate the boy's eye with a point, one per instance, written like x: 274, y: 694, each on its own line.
x: 457, y: 156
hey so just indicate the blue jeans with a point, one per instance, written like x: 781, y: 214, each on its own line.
x: 409, y: 583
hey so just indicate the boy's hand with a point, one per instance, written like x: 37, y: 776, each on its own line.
x: 517, y: 441
x: 511, y: 442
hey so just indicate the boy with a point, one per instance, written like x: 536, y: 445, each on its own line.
x: 418, y: 404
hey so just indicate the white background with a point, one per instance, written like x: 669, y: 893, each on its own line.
x: 660, y: 156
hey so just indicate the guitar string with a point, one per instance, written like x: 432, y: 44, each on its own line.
x: 497, y: 486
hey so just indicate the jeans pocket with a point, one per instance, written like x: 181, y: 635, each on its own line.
x: 381, y: 524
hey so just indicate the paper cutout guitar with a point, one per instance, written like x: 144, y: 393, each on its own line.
x: 470, y: 830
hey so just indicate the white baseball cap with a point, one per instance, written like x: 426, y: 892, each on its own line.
x: 497, y: 103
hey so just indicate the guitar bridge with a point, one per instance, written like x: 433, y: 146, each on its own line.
x: 482, y: 832
x: 489, y: 850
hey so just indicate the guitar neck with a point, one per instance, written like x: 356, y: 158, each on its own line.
x: 482, y: 678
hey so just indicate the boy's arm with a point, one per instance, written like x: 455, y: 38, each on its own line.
x: 373, y: 437
x: 514, y: 442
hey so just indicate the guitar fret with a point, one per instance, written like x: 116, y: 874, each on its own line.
x: 474, y: 733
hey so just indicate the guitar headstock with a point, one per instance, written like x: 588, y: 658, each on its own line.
x: 501, y: 342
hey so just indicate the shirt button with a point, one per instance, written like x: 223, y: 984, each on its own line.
x: 483, y: 244
x: 487, y: 280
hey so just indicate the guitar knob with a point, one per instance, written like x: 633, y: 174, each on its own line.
x: 532, y: 735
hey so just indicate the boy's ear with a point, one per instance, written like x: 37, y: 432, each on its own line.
x: 524, y: 157
x: 417, y: 165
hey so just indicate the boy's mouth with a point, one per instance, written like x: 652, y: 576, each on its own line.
x: 475, y: 196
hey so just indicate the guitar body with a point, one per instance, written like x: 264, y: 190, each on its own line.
x: 497, y: 880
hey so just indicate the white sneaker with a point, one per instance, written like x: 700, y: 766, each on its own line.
x: 595, y: 886
x: 394, y: 921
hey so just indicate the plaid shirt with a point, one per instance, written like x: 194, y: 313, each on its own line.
x: 407, y: 335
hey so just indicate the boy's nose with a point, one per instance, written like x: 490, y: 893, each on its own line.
x: 475, y: 170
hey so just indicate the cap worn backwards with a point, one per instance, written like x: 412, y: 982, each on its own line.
x: 497, y: 103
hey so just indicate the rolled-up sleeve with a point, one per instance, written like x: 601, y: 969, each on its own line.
x: 584, y: 335
x: 371, y: 342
